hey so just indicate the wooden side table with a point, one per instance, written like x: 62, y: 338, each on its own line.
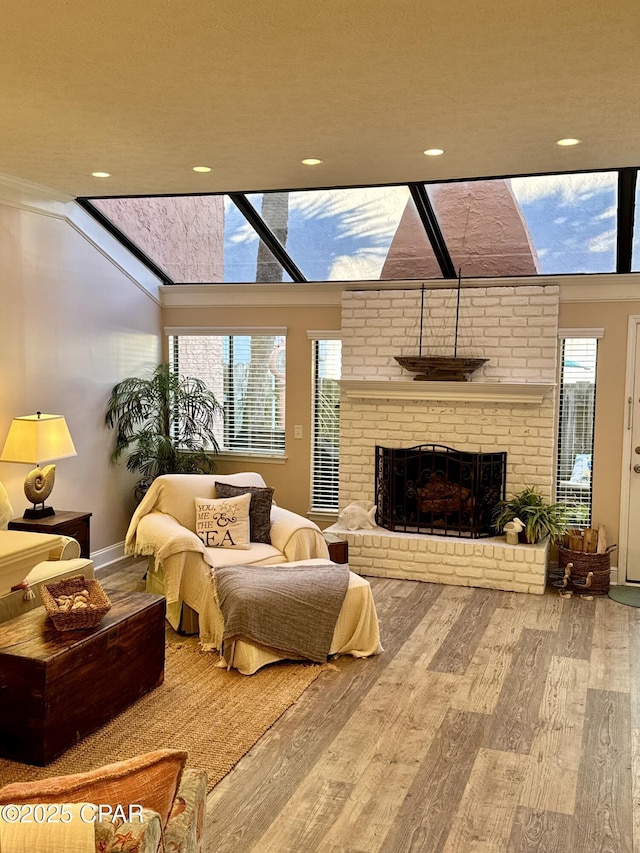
x: 338, y: 547
x: 64, y: 522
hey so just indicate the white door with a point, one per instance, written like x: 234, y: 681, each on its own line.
x: 633, y: 461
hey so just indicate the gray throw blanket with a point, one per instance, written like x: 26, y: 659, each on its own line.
x: 293, y: 609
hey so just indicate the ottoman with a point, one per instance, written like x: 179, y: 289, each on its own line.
x: 357, y: 632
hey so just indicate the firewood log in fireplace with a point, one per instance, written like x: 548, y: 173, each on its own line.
x: 441, y: 495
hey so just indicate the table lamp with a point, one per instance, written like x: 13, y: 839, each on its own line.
x: 34, y: 439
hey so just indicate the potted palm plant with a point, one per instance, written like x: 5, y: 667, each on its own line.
x: 164, y: 424
x: 539, y: 518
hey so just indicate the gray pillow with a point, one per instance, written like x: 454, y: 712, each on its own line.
x: 259, y: 508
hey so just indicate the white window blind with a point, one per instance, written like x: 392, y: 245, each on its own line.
x: 325, y: 450
x: 247, y: 373
x: 576, y: 416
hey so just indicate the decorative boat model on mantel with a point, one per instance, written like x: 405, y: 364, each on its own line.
x: 441, y: 368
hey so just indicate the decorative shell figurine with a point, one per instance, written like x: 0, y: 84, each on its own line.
x: 359, y: 515
x: 39, y: 484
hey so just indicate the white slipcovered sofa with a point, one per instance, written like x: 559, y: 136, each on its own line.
x: 181, y: 567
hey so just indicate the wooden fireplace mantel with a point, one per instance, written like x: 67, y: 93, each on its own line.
x: 517, y: 393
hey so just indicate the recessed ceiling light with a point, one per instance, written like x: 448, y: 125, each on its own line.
x: 312, y: 161
x: 101, y: 174
x: 568, y: 141
x: 202, y: 168
x: 434, y: 152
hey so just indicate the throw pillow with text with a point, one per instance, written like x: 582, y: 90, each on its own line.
x: 223, y: 522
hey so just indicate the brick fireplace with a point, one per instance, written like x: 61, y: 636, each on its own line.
x: 507, y: 406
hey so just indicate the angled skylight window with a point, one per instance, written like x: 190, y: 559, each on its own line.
x: 199, y: 239
x: 572, y: 220
x: 483, y: 228
x: 246, y: 257
x: 498, y: 227
x: 525, y: 226
x: 370, y: 233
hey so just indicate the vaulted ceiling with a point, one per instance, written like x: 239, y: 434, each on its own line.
x: 145, y: 90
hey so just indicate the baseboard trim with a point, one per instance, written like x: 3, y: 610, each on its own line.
x: 106, y: 556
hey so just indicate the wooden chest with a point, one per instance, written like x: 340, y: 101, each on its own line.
x: 56, y: 687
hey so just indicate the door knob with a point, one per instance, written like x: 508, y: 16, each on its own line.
x: 636, y: 468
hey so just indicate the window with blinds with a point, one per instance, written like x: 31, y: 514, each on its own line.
x: 574, y: 485
x: 325, y: 450
x: 247, y: 373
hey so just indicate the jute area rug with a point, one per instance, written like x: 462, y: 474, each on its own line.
x: 214, y: 714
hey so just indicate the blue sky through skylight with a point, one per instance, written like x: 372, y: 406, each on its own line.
x: 571, y: 220
x: 342, y: 235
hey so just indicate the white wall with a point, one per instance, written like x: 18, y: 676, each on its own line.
x: 73, y: 323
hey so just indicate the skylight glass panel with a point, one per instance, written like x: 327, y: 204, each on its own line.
x: 547, y: 224
x: 370, y: 233
x: 246, y: 257
x: 635, y: 250
x: 194, y: 239
x: 572, y: 220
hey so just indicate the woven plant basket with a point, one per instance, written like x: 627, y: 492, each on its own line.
x: 582, y: 564
x: 97, y: 600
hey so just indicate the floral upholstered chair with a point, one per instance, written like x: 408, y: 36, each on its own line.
x: 184, y: 832
x: 167, y: 815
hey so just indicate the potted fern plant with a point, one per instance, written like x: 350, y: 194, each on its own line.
x: 540, y: 518
x: 164, y: 425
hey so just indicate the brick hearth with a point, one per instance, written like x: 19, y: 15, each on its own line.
x: 441, y: 559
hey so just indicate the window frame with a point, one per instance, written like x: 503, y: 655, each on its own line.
x: 561, y: 494
x: 318, y: 484
x: 237, y: 452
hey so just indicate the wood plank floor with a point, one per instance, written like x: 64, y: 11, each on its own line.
x: 492, y: 722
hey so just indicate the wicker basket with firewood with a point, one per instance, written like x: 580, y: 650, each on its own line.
x: 584, y: 561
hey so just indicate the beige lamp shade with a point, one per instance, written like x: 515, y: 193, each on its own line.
x: 34, y: 439
x: 38, y: 438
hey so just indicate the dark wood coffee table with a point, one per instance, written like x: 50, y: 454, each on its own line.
x: 56, y: 687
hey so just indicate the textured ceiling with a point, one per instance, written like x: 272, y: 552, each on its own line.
x: 146, y: 89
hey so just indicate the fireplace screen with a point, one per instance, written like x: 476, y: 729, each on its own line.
x: 435, y: 489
